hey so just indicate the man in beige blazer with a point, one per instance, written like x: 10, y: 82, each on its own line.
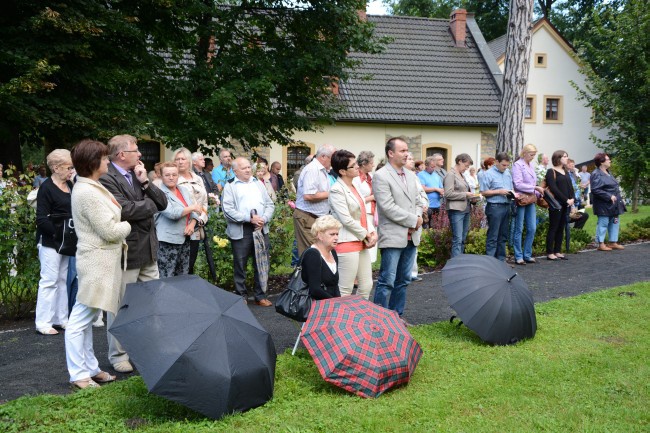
x: 400, y: 224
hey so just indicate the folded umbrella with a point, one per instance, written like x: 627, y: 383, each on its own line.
x: 490, y: 298
x: 360, y: 346
x: 261, y: 258
x: 196, y: 344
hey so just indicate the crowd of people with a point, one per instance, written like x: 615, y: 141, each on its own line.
x: 132, y: 226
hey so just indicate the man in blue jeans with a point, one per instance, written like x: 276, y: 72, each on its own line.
x: 399, y: 208
x: 498, y: 189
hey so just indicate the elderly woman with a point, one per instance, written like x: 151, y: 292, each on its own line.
x: 262, y: 174
x: 52, y: 209
x: 320, y: 262
x: 608, y: 205
x: 356, y: 234
x: 457, y: 201
x: 363, y: 184
x: 101, y: 237
x: 524, y: 181
x: 175, y: 224
x: 191, y: 181
x: 560, y: 184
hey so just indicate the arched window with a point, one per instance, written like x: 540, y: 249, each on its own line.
x: 436, y: 148
x: 296, y: 158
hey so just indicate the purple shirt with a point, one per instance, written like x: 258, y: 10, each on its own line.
x: 523, y: 177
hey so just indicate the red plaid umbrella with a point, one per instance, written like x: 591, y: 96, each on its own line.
x: 360, y: 346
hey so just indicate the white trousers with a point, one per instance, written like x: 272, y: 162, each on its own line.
x: 52, y: 298
x: 355, y: 265
x: 79, y: 353
x: 414, y: 270
x: 116, y: 352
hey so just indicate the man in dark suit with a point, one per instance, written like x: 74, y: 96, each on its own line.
x: 140, y: 200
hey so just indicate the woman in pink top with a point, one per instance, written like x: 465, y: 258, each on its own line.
x: 357, y: 233
x: 525, y: 181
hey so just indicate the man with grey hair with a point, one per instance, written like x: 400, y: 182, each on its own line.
x: 198, y: 166
x: 296, y: 174
x: 440, y: 164
x: 312, y: 196
x: 127, y: 180
x: 247, y: 208
x: 433, y: 186
x: 222, y: 173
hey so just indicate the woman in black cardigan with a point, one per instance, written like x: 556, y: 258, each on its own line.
x: 320, y: 262
x: 52, y: 207
x: 559, y: 182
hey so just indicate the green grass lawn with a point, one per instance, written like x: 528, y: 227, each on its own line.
x: 590, y: 225
x: 586, y: 370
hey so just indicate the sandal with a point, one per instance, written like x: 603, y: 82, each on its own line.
x: 47, y: 331
x: 84, y: 383
x: 103, y: 377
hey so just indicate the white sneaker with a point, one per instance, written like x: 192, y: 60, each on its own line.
x: 123, y: 367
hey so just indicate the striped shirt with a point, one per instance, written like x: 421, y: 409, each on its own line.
x: 313, y: 179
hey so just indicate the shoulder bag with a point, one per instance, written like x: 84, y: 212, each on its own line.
x: 295, y: 301
x: 550, y: 199
x: 67, y: 233
x: 525, y: 199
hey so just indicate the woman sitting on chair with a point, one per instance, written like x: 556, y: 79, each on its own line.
x: 320, y: 262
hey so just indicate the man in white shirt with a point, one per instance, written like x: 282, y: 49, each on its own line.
x: 312, y: 196
x: 247, y: 208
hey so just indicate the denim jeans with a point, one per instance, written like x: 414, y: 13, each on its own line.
x: 394, y: 276
x: 498, y: 216
x: 459, y: 222
x: 525, y: 215
x: 607, y: 225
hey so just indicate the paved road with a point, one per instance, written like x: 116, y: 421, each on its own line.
x: 32, y: 364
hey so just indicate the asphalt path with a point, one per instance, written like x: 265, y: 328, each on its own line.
x: 32, y: 364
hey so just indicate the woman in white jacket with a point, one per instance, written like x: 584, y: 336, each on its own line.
x: 357, y: 234
x: 101, y: 240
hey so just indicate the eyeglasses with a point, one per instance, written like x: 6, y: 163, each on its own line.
x: 127, y: 151
x: 69, y: 168
x: 353, y: 166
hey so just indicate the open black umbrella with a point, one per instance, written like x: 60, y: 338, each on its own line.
x: 490, y: 298
x: 196, y: 344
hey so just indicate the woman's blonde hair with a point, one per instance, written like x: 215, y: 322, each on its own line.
x: 58, y: 157
x: 526, y: 149
x: 326, y: 222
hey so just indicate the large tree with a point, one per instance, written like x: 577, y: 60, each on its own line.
x: 491, y: 15
x: 215, y: 70
x: 616, y: 63
x: 510, y: 133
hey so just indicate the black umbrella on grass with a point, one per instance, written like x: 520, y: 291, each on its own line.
x: 490, y: 298
x: 197, y: 345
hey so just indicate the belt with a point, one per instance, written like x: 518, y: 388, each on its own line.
x: 308, y: 213
x: 499, y: 204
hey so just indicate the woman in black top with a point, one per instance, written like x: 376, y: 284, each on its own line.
x: 52, y: 208
x: 320, y: 262
x: 559, y: 182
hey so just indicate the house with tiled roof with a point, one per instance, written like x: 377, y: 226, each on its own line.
x: 436, y: 85
x: 555, y: 118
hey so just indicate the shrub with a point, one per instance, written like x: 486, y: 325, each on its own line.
x: 636, y: 230
x: 19, y: 264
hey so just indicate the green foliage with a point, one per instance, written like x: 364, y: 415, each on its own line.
x: 19, y: 265
x: 636, y: 230
x: 616, y: 65
x: 174, y: 71
x: 475, y: 242
x: 586, y: 370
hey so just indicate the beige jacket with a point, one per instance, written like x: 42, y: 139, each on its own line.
x: 101, y: 235
x: 345, y: 208
x: 200, y: 195
x: 456, y: 189
x: 398, y: 206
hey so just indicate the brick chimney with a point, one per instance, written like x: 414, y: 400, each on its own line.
x: 458, y: 27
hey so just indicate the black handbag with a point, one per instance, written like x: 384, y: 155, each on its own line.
x: 553, y: 204
x: 68, y: 235
x: 295, y: 301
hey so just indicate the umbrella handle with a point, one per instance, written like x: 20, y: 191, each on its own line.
x: 451, y: 320
x: 124, y: 306
x: 510, y: 279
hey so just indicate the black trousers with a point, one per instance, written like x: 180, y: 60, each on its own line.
x: 194, y: 252
x: 242, y: 250
x: 557, y: 224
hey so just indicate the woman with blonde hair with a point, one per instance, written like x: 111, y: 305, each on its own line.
x: 320, y: 262
x: 53, y: 208
x: 524, y: 180
x: 190, y: 180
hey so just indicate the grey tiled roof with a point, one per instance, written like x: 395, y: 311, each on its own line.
x: 421, y: 78
x: 498, y: 46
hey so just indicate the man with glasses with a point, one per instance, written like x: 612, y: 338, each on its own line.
x: 312, y: 196
x: 140, y: 200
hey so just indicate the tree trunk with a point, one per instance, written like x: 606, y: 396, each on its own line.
x: 510, y: 135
